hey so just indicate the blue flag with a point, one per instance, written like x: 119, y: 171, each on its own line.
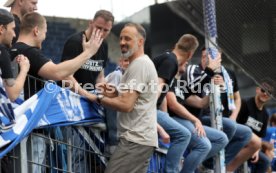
x: 51, y: 106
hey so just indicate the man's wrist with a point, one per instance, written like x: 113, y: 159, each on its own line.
x: 99, y: 98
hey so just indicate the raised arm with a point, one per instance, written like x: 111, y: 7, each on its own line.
x: 196, y: 76
x: 64, y: 69
x: 13, y: 91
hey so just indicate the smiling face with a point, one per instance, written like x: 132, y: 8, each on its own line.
x: 262, y: 95
x: 129, y: 41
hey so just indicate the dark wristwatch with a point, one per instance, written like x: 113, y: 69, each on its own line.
x: 99, y: 98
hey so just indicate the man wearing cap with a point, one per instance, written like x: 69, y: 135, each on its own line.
x: 18, y: 9
x: 12, y: 86
x: 9, y: 85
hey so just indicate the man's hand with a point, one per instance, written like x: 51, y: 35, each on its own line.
x: 199, y: 128
x: 255, y: 157
x: 164, y: 135
x: 218, y: 79
x: 215, y: 63
x: 94, y: 42
x: 23, y: 62
x: 107, y: 89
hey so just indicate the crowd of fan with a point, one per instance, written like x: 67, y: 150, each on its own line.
x: 149, y: 98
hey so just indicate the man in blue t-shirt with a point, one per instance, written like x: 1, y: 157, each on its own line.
x: 271, y: 137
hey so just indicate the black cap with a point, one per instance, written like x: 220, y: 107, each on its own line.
x: 5, y: 17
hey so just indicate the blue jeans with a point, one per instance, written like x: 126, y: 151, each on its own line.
x: 201, y: 147
x: 179, y: 138
x: 238, y: 135
x: 262, y: 165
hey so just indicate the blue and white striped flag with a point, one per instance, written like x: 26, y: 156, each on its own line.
x: 51, y: 106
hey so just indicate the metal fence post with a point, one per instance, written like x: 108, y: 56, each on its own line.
x: 69, y: 149
x: 23, y: 156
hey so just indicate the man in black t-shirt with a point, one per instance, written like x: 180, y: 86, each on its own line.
x: 11, y: 86
x: 239, y: 135
x: 167, y: 65
x: 18, y: 9
x: 209, y: 141
x: 32, y: 34
x: 254, y: 115
x: 92, y: 71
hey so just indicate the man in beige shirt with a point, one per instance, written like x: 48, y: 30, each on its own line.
x: 136, y: 103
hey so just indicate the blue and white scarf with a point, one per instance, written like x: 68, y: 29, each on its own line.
x: 229, y: 89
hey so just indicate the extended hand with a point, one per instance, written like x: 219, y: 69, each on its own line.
x: 93, y: 44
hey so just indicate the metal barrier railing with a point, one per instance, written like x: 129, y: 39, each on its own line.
x: 46, y: 151
x: 66, y: 149
x: 74, y: 149
x: 58, y: 149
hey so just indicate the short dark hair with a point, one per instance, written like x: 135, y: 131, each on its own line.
x: 106, y: 15
x: 31, y: 20
x: 187, y: 43
x: 141, y: 30
x: 5, y: 17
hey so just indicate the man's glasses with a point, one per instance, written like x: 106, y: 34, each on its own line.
x: 264, y: 91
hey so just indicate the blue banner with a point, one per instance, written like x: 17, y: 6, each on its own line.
x: 52, y: 106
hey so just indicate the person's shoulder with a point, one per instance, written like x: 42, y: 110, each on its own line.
x: 4, y: 53
x: 76, y: 37
x: 194, y: 66
x: 229, y: 70
x: 20, y: 45
x: 23, y: 48
x: 3, y: 48
x: 143, y: 61
x: 143, y: 58
x: 248, y: 101
x: 169, y: 56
